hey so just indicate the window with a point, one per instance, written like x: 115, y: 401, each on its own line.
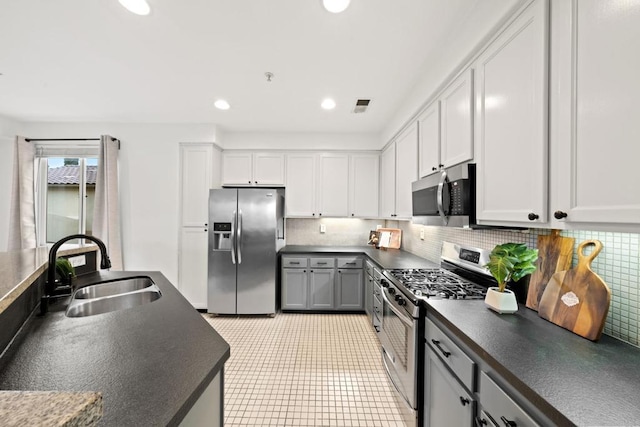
x: 65, y: 192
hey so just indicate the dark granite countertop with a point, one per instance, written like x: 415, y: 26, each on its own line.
x: 390, y: 258
x: 568, y: 378
x: 151, y: 363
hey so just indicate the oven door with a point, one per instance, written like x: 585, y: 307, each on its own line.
x: 399, y: 338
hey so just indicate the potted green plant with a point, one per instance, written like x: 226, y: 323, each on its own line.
x: 65, y: 271
x: 508, y: 263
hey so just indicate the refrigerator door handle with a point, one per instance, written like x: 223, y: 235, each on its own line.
x: 233, y: 238
x: 240, y: 236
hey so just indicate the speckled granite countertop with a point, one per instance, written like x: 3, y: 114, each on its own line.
x: 50, y: 408
x: 150, y: 363
x: 19, y: 269
x: 569, y: 379
x: 390, y: 258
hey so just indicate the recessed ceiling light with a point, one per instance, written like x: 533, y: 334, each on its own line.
x: 221, y: 104
x: 335, y: 6
x: 328, y: 104
x: 139, y: 7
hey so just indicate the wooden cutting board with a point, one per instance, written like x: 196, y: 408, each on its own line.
x: 578, y: 299
x: 554, y: 254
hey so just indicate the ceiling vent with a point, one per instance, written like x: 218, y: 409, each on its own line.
x: 361, y: 106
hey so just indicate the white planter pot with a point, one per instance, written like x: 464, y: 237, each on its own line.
x: 502, y: 302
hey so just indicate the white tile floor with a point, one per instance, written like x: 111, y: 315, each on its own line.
x: 305, y: 370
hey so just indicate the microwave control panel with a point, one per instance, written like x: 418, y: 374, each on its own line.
x: 459, y: 197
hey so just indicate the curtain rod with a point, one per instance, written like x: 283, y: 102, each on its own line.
x: 66, y: 139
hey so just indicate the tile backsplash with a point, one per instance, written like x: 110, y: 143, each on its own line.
x: 618, y: 264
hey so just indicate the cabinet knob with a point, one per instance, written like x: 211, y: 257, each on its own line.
x: 353, y: 214
x: 532, y: 216
x: 311, y: 271
x: 559, y: 214
x: 255, y: 182
x: 480, y: 422
x: 441, y: 165
x: 313, y: 214
x: 464, y: 401
x: 508, y: 423
x: 319, y: 214
x: 249, y: 182
x: 434, y: 168
x: 205, y: 230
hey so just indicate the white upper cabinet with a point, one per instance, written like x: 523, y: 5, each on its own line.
x: 196, y: 180
x: 333, y: 185
x: 300, y: 192
x: 363, y: 185
x: 257, y: 169
x: 388, y: 182
x: 511, y: 122
x: 268, y: 169
x: 595, y: 113
x: 429, y: 140
x: 406, y: 170
x: 456, y: 121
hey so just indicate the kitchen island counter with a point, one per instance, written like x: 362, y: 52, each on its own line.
x: 566, y: 377
x: 150, y: 363
x: 389, y: 258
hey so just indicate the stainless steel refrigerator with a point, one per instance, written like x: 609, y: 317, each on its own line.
x: 246, y: 231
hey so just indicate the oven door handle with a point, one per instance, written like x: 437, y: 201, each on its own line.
x: 443, y: 179
x: 404, y: 318
x: 405, y: 400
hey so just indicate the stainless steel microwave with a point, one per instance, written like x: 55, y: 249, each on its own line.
x: 446, y: 198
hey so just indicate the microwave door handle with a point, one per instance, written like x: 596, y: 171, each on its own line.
x: 441, y: 183
x: 233, y: 238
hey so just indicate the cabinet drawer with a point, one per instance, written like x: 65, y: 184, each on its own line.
x: 450, y: 353
x: 369, y: 268
x: 377, y: 307
x: 322, y: 262
x: 499, y: 406
x: 349, y: 262
x: 377, y: 291
x: 294, y: 262
x: 377, y: 274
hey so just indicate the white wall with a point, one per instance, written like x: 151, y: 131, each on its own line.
x: 149, y: 174
x: 300, y: 141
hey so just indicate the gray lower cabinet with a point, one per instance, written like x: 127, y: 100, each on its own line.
x: 448, y: 403
x: 321, y: 285
x: 497, y: 408
x: 349, y: 289
x: 294, y: 286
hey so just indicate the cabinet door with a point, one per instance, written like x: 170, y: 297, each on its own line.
x: 349, y: 289
x: 388, y: 182
x: 195, y: 173
x: 237, y: 169
x: 446, y: 402
x: 456, y: 117
x: 333, y: 185
x: 406, y: 170
x: 192, y: 269
x: 321, y: 284
x: 363, y: 188
x: 595, y: 110
x: 429, y: 140
x: 511, y: 88
x: 300, y: 185
x: 268, y: 169
x: 498, y: 405
x: 294, y: 289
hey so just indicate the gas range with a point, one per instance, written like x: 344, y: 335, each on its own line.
x: 461, y: 276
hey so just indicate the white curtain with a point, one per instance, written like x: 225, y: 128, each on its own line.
x: 22, y: 217
x: 106, y: 211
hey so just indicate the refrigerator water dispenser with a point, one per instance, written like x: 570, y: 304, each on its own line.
x: 221, y: 236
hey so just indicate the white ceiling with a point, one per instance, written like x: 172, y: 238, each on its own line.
x: 92, y: 61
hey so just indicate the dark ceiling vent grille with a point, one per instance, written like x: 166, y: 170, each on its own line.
x: 361, y: 105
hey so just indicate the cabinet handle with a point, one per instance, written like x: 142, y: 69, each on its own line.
x: 441, y: 165
x: 559, y: 214
x: 480, y: 422
x: 351, y: 263
x: 434, y: 168
x: 508, y: 423
x: 294, y: 263
x: 464, y: 401
x: 376, y: 328
x: 443, y: 351
x: 532, y: 216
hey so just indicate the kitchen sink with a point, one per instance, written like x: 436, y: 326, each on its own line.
x: 115, y: 287
x: 112, y: 296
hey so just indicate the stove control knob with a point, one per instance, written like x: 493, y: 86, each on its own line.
x: 392, y: 291
x: 397, y: 298
x: 401, y: 301
x: 384, y: 283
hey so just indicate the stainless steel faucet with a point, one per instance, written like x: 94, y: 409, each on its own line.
x: 50, y: 286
